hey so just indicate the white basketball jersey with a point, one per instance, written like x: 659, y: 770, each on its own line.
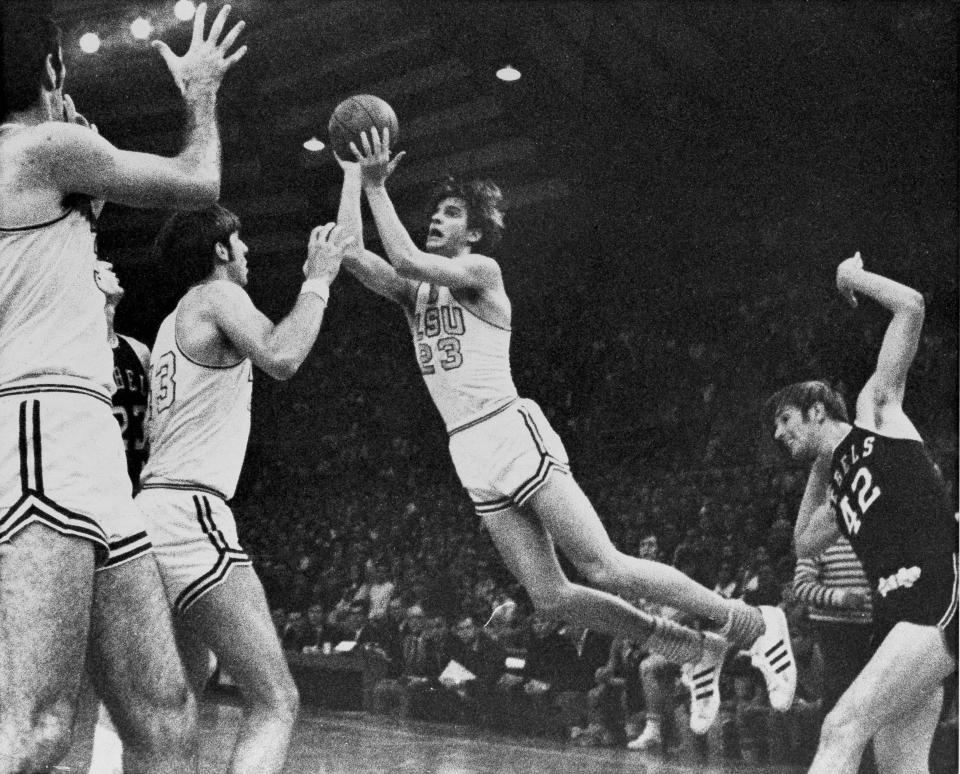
x: 464, y: 360
x: 51, y: 310
x: 198, y: 421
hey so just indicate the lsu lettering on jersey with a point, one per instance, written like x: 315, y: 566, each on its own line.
x: 464, y: 360
x: 53, y: 327
x: 198, y: 421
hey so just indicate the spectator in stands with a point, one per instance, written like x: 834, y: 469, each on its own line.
x: 315, y: 632
x: 476, y: 652
x: 294, y: 631
x: 377, y: 590
x: 726, y: 585
x: 356, y: 626
x: 414, y: 692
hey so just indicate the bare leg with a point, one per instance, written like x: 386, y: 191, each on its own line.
x: 46, y: 582
x: 903, y: 747
x: 136, y: 670
x: 570, y: 518
x: 528, y: 551
x: 233, y: 621
x: 903, y: 675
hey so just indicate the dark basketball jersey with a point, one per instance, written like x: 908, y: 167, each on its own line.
x: 130, y: 405
x: 893, y: 506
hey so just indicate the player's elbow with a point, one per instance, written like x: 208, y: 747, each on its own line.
x: 910, y: 304
x: 282, y: 368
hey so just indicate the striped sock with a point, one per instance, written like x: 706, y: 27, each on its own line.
x: 744, y: 624
x: 678, y: 644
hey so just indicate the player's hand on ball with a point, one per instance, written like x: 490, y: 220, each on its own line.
x: 846, y: 272
x: 375, y: 162
x: 326, y: 249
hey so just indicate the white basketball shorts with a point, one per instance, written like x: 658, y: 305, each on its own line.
x: 62, y: 464
x: 194, y: 538
x: 505, y: 458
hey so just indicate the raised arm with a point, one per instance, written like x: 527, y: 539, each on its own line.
x: 882, y: 396
x: 370, y: 269
x: 816, y: 528
x: 475, y: 271
x: 81, y: 161
x: 281, y: 349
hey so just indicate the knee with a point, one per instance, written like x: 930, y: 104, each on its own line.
x: 164, y: 722
x: 603, y: 570
x: 280, y: 699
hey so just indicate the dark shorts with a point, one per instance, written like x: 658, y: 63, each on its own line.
x: 925, y: 594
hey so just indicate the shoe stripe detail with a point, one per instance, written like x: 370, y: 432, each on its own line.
x: 777, y: 644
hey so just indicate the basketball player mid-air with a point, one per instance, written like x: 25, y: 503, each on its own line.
x: 510, y: 461
x: 874, y: 482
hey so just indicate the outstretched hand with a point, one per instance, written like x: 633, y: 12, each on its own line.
x: 846, y: 272
x: 206, y: 61
x: 326, y: 249
x: 375, y: 162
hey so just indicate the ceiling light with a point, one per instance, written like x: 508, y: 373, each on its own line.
x: 184, y: 10
x: 90, y: 43
x: 314, y: 145
x: 508, y: 73
x: 141, y: 28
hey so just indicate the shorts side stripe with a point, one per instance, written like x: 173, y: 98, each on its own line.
x: 952, y: 607
x: 547, y: 466
x: 492, y: 506
x: 227, y: 557
x: 548, y: 463
x: 37, y: 454
x: 533, y: 430
x: 24, y: 471
x: 207, y: 524
x: 127, y: 549
x: 32, y: 507
x: 209, y: 580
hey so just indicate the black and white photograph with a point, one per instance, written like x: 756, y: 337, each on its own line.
x: 479, y: 386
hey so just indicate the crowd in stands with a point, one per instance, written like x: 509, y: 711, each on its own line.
x: 360, y: 531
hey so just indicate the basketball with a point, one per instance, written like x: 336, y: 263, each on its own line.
x: 355, y: 115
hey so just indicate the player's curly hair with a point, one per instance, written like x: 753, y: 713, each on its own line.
x: 185, y: 244
x: 802, y: 396
x: 485, y: 206
x: 29, y: 35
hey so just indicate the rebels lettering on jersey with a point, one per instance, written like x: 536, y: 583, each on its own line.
x: 890, y: 502
x: 130, y: 404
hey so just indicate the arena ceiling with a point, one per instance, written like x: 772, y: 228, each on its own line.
x: 644, y: 106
